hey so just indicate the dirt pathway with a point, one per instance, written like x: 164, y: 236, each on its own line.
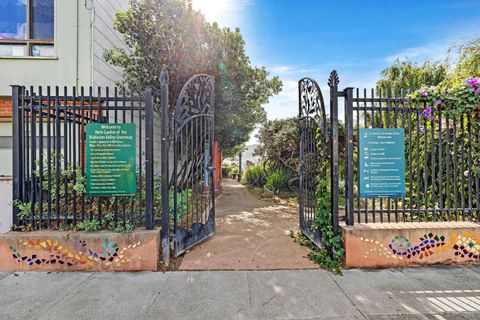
x: 251, y: 235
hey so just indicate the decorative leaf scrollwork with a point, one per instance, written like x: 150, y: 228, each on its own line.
x: 311, y: 99
x: 196, y: 98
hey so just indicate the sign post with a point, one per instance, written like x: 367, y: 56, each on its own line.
x: 111, y: 159
x: 382, y: 163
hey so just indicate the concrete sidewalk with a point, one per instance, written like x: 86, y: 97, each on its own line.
x: 417, y: 293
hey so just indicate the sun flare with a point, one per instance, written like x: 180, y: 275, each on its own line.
x: 212, y: 9
x: 221, y: 11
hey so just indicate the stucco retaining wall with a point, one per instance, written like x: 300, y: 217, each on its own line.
x: 6, y: 217
x: 384, y: 245
x: 79, y: 251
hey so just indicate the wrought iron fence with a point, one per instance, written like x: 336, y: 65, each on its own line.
x: 49, y: 151
x: 441, y: 183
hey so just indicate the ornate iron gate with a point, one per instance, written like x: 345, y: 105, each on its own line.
x: 313, y: 146
x: 192, y: 182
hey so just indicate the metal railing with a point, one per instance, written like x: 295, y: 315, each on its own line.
x: 49, y: 155
x: 441, y: 183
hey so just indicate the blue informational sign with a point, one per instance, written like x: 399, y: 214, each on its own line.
x: 382, y: 163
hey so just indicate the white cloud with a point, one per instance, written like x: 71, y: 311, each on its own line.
x: 431, y: 51
x: 290, y: 70
x: 284, y: 105
x: 434, y: 51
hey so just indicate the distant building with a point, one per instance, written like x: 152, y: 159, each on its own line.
x: 56, y: 43
x: 53, y: 42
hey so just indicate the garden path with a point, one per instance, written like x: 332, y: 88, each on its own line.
x: 251, y: 234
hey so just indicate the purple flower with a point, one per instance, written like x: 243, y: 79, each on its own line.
x: 473, y: 82
x: 438, y: 102
x: 431, y: 117
x: 425, y: 93
x: 422, y: 129
x: 477, y: 91
x: 427, y: 111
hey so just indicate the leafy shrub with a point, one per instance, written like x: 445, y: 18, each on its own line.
x: 229, y: 170
x: 278, y: 180
x: 255, y: 176
x: 225, y: 171
x: 89, y: 226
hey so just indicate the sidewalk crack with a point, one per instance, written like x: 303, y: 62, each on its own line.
x: 158, y: 294
x: 5, y: 275
x: 69, y: 292
x: 346, y: 295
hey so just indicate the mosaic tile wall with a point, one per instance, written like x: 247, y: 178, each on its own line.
x: 463, y: 245
x: 73, y: 253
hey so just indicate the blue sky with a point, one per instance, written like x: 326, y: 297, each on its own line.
x: 296, y: 38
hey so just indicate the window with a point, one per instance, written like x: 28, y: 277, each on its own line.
x: 26, y: 28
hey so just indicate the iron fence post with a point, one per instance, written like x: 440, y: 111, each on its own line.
x: 164, y: 164
x: 17, y: 150
x: 240, y: 166
x: 333, y: 84
x: 149, y: 157
x: 349, y: 165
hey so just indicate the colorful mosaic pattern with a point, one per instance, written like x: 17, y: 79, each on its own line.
x: 380, y: 249
x: 73, y: 253
x: 401, y: 246
x: 466, y: 245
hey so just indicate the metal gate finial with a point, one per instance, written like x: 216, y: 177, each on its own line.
x: 333, y: 79
x: 164, y: 78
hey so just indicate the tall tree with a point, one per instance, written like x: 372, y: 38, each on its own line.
x: 278, y: 144
x: 409, y: 75
x: 171, y: 34
x: 468, y: 62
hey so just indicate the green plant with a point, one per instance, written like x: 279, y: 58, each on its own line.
x: 72, y: 176
x: 277, y: 180
x: 88, y: 226
x: 24, y: 208
x: 110, y: 223
x: 330, y: 255
x: 184, y: 203
x: 72, y: 200
x: 229, y: 170
x: 255, y: 176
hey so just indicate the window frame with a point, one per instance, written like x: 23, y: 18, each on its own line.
x: 28, y: 41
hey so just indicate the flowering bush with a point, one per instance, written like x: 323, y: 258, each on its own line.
x: 459, y: 100
x: 462, y: 98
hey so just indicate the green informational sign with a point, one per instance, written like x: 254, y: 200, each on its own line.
x: 111, y: 159
x: 382, y: 163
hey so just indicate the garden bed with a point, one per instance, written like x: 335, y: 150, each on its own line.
x: 79, y: 251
